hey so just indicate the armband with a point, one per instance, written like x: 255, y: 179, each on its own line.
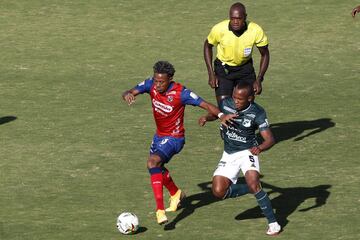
x: 220, y: 114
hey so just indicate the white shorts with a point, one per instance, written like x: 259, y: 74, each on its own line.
x: 230, y: 164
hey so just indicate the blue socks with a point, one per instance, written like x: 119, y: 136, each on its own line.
x: 265, y: 205
x: 236, y: 190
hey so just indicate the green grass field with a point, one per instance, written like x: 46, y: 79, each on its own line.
x: 73, y: 155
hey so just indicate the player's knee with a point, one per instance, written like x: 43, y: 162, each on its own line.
x: 254, y: 187
x: 153, y: 161
x: 253, y: 182
x: 218, y: 191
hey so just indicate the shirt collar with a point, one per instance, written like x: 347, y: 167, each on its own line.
x: 245, y: 109
x: 239, y: 32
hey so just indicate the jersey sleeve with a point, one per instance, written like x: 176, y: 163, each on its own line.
x: 214, y: 35
x: 225, y: 106
x: 190, y: 98
x: 145, y: 86
x: 261, y: 121
x: 261, y: 39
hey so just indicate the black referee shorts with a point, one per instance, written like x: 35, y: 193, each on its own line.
x: 229, y: 76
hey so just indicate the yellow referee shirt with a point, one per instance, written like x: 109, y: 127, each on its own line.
x: 234, y: 50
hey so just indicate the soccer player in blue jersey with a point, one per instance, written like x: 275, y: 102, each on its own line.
x: 241, y: 151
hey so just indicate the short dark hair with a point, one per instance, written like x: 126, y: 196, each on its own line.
x: 164, y: 67
x: 238, y: 5
x: 244, y: 85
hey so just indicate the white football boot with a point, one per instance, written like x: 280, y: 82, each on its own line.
x: 274, y: 229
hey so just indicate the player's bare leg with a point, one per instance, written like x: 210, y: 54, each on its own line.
x: 223, y: 188
x: 220, y: 185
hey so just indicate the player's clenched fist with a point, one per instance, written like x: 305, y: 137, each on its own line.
x: 202, y: 120
x: 128, y: 97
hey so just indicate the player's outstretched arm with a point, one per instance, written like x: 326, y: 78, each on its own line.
x: 355, y: 10
x: 129, y: 96
x: 268, y: 142
x: 213, y: 110
x: 206, y: 118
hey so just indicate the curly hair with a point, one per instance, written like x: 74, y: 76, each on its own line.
x: 164, y: 67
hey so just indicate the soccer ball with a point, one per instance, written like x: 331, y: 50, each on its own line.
x: 127, y: 223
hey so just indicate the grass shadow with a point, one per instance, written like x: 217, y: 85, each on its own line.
x: 288, y: 130
x: 284, y: 205
x: 140, y: 230
x: 191, y: 203
x: 288, y: 201
x: 7, y: 119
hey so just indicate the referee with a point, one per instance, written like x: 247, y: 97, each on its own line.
x: 235, y: 39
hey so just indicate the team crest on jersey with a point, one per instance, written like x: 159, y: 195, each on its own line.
x: 246, y: 122
x: 170, y: 98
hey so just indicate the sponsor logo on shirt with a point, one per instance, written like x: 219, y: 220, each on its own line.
x: 161, y: 106
x: 233, y: 136
x: 247, y: 52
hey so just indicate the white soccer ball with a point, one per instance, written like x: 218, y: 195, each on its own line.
x: 127, y: 223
